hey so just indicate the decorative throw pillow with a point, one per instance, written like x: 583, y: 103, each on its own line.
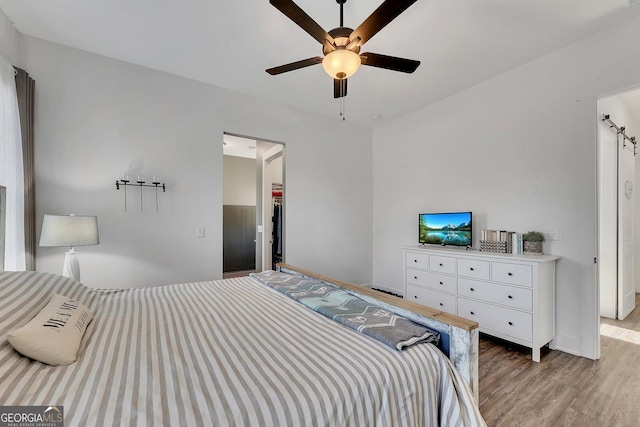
x: 54, y: 335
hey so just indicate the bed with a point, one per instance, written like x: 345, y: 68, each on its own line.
x: 226, y: 352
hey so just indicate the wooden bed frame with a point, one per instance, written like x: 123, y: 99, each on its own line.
x: 459, y: 336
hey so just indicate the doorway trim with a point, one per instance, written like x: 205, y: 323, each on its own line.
x: 259, y: 235
x: 587, y: 123
x: 607, y: 200
x: 272, y: 154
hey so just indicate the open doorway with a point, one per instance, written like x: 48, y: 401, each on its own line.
x: 253, y: 205
x: 273, y: 206
x: 618, y: 226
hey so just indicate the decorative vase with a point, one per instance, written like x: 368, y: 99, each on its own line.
x: 533, y: 248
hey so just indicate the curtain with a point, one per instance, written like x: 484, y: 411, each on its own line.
x: 11, y: 168
x: 25, y: 87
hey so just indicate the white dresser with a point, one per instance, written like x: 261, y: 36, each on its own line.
x: 511, y: 296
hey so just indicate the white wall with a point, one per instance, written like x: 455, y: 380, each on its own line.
x: 239, y: 181
x: 519, y: 151
x: 97, y: 118
x: 9, y: 41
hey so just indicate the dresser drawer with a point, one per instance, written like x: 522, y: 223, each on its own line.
x: 439, y: 282
x: 502, y: 320
x: 474, y: 269
x: 433, y: 299
x: 442, y: 264
x: 515, y: 274
x: 509, y: 296
x: 416, y: 260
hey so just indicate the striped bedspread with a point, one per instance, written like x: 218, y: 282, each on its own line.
x: 230, y: 352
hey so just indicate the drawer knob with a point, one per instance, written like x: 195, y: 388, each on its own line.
x: 510, y: 297
x: 472, y: 313
x: 441, y: 305
x: 440, y: 264
x: 415, y: 296
x: 472, y: 289
x: 441, y: 283
x: 510, y: 323
x: 415, y: 260
x: 415, y: 277
x: 471, y: 268
x: 509, y: 274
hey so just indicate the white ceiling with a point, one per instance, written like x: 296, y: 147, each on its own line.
x: 239, y: 147
x: 230, y: 44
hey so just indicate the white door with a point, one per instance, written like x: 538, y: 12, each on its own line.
x: 626, y: 179
x: 607, y: 222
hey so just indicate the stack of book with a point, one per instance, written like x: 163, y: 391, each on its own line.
x: 501, y: 241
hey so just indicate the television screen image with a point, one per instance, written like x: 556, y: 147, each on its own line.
x: 452, y: 228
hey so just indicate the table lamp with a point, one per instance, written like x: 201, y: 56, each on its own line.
x: 71, y: 231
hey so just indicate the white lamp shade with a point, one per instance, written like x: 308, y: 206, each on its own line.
x: 341, y: 64
x: 69, y: 230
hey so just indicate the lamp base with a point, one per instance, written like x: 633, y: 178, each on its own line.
x: 71, y: 267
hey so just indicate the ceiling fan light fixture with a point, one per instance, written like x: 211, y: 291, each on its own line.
x: 341, y: 63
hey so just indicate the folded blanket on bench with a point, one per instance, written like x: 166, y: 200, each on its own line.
x: 343, y: 307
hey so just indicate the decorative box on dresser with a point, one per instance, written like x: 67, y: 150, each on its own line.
x: 511, y: 296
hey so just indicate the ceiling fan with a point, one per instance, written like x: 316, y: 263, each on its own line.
x: 341, y: 46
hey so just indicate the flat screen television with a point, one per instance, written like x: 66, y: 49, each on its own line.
x: 451, y: 228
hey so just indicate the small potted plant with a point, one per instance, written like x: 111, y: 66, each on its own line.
x: 533, y: 242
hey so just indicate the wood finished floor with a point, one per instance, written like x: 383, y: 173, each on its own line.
x: 562, y: 390
x: 231, y: 274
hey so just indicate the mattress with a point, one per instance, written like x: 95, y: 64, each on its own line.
x: 223, y: 353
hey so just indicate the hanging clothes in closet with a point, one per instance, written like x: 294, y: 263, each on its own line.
x: 276, y: 219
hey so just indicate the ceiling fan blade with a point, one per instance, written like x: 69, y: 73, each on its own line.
x: 339, y: 88
x: 385, y: 13
x: 294, y: 66
x: 304, y: 21
x: 389, y: 62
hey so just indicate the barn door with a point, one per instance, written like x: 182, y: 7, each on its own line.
x: 626, y: 175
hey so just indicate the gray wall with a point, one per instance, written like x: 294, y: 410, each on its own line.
x: 9, y: 41
x: 519, y: 151
x: 239, y: 181
x: 97, y: 118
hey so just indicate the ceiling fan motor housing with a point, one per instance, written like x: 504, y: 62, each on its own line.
x: 341, y: 38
